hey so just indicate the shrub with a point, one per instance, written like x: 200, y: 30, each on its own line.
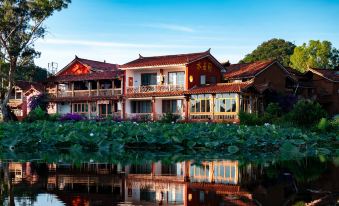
x: 37, y: 114
x: 72, y: 117
x: 306, y: 113
x: 54, y: 117
x: 323, y: 124
x: 249, y: 119
x: 169, y: 117
x: 272, y: 113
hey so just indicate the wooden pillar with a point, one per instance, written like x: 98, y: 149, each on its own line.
x: 153, y: 109
x: 212, y: 106
x: 237, y: 103
x: 90, y: 88
x: 122, y: 86
x: 72, y: 89
x: 113, y: 87
x: 98, y: 85
x: 57, y: 90
x: 123, y: 109
x: 98, y: 112
x: 187, y: 104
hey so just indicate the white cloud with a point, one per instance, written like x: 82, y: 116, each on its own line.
x: 173, y: 27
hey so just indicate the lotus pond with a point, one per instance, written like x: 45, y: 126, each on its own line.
x: 110, y: 163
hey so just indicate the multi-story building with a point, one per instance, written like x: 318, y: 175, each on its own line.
x: 157, y: 85
x: 87, y: 87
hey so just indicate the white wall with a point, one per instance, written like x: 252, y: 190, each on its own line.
x: 136, y: 74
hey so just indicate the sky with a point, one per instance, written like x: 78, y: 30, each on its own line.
x: 117, y: 31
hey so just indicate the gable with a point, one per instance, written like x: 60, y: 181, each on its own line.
x: 204, y: 66
x: 75, y: 68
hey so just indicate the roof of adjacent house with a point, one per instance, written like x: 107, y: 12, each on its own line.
x: 90, y: 76
x: 94, y: 66
x: 332, y: 75
x: 220, y: 88
x: 246, y: 70
x: 26, y: 85
x: 177, y: 59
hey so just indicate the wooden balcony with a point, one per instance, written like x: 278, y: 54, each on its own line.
x: 154, y: 88
x: 87, y: 93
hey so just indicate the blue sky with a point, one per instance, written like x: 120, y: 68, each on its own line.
x: 118, y: 30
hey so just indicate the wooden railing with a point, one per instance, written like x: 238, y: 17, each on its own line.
x: 154, y: 88
x: 86, y: 93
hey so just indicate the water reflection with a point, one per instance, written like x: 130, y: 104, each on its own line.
x: 218, y: 182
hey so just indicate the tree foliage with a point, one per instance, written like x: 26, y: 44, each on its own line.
x: 278, y: 49
x: 315, y: 54
x: 21, y: 23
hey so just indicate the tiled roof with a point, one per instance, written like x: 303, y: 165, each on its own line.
x: 25, y: 85
x: 165, y: 60
x: 332, y: 75
x: 220, y: 88
x: 97, y: 65
x: 247, y: 70
x: 90, y: 76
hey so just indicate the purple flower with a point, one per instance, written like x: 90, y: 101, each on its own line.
x: 72, y: 117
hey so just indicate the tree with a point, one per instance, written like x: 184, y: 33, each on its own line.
x: 315, y: 54
x: 21, y: 23
x: 278, y: 49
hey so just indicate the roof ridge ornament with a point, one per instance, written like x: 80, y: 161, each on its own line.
x: 140, y: 57
x: 76, y: 57
x: 209, y: 50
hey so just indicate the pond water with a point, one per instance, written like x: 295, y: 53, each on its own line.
x: 188, y: 182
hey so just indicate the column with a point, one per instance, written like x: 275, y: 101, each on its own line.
x: 212, y: 106
x: 153, y: 109
x: 237, y: 102
x: 187, y: 103
x: 113, y: 87
x: 72, y: 89
x: 57, y: 90
x: 98, y: 85
x: 122, y: 86
x: 90, y: 88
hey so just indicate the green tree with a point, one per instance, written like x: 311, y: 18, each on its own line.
x: 278, y: 49
x: 21, y: 23
x: 315, y: 54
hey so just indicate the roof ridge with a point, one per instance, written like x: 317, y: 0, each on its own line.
x: 95, y: 61
x: 183, y: 54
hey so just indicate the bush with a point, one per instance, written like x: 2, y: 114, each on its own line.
x: 37, y: 114
x: 272, y: 114
x: 72, y: 117
x: 306, y: 113
x: 323, y: 124
x: 54, y: 117
x: 249, y: 119
x: 169, y: 117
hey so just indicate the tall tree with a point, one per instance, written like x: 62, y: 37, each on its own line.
x: 21, y: 23
x: 315, y: 54
x: 278, y: 49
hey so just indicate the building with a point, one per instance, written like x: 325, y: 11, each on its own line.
x: 20, y: 97
x: 157, y: 85
x: 326, y: 89
x: 87, y: 87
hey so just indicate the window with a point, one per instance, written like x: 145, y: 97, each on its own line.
x: 18, y: 95
x: 176, y: 78
x: 80, y: 108
x: 148, y: 79
x: 172, y: 106
x: 225, y: 103
x: 141, y: 106
x: 93, y: 107
x: 202, y: 79
x: 200, y: 103
x: 212, y: 80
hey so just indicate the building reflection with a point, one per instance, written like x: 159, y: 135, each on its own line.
x: 183, y: 183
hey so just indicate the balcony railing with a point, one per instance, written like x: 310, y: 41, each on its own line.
x: 154, y: 88
x: 87, y: 93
